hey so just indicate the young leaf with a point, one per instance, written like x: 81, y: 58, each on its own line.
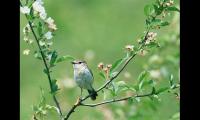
x: 37, y: 55
x: 65, y: 58
x: 104, y: 95
x: 102, y: 75
x: 116, y: 64
x: 161, y: 90
x: 141, y: 84
x: 164, y: 23
x: 171, y: 80
x: 142, y: 76
x: 54, y: 55
x: 153, y: 90
x: 172, y: 9
x: 156, y: 22
x: 45, y: 71
x: 153, y: 44
x: 149, y: 10
x: 130, y: 101
x: 54, y: 87
x: 49, y: 107
x: 40, y: 29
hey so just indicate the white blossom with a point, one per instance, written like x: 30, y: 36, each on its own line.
x: 129, y: 47
x: 25, y: 38
x: 40, y: 1
x: 26, y: 29
x: 25, y: 10
x: 150, y: 37
x: 41, y: 43
x: 37, y: 6
x: 26, y: 52
x: 48, y: 35
x: 30, y: 41
x: 51, y: 24
x: 50, y: 43
x: 43, y: 15
x: 49, y: 20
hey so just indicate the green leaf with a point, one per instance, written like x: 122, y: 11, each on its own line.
x: 112, y: 91
x: 164, y: 23
x: 122, y: 87
x: 113, y: 74
x: 149, y: 10
x: 156, y: 22
x: 45, y: 71
x: 162, y: 90
x: 130, y: 101
x: 54, y: 87
x: 37, y: 55
x: 172, y: 9
x: 104, y: 95
x: 171, y: 80
x: 65, y: 58
x: 54, y: 55
x: 116, y: 64
x: 141, y: 84
x: 42, y: 100
x: 142, y: 75
x: 153, y: 90
x: 137, y: 99
x: 158, y: 10
x: 121, y: 83
x: 49, y: 107
x: 40, y: 29
x: 102, y: 75
x: 153, y: 45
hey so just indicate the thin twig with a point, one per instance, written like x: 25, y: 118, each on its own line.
x: 114, y: 100
x: 45, y: 63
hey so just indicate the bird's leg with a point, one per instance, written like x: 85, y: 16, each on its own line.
x: 79, y: 98
x: 81, y: 93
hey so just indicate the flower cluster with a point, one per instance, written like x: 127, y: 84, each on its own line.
x: 50, y: 24
x: 105, y: 68
x: 151, y: 36
x: 45, y: 25
x: 25, y: 10
x: 169, y: 3
x: 39, y: 9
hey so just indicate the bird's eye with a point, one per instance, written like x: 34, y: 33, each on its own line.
x: 80, y: 62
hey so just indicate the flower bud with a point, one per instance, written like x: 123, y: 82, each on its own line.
x: 129, y: 48
x: 109, y: 66
x: 100, y: 66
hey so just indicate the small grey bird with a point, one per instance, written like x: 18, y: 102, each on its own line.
x: 83, y: 77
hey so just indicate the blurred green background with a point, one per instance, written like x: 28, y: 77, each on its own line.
x: 97, y: 31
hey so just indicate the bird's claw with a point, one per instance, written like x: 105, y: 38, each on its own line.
x: 78, y: 101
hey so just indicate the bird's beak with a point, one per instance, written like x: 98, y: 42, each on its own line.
x: 73, y: 62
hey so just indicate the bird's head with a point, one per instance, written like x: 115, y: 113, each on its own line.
x: 77, y: 64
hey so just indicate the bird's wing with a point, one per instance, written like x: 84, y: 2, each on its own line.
x: 91, y: 72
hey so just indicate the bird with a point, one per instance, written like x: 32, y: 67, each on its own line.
x: 83, y: 77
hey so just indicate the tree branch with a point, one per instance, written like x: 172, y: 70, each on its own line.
x: 109, y: 81
x: 45, y: 63
x: 114, y: 100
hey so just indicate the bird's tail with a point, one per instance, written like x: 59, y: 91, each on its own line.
x: 93, y: 94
